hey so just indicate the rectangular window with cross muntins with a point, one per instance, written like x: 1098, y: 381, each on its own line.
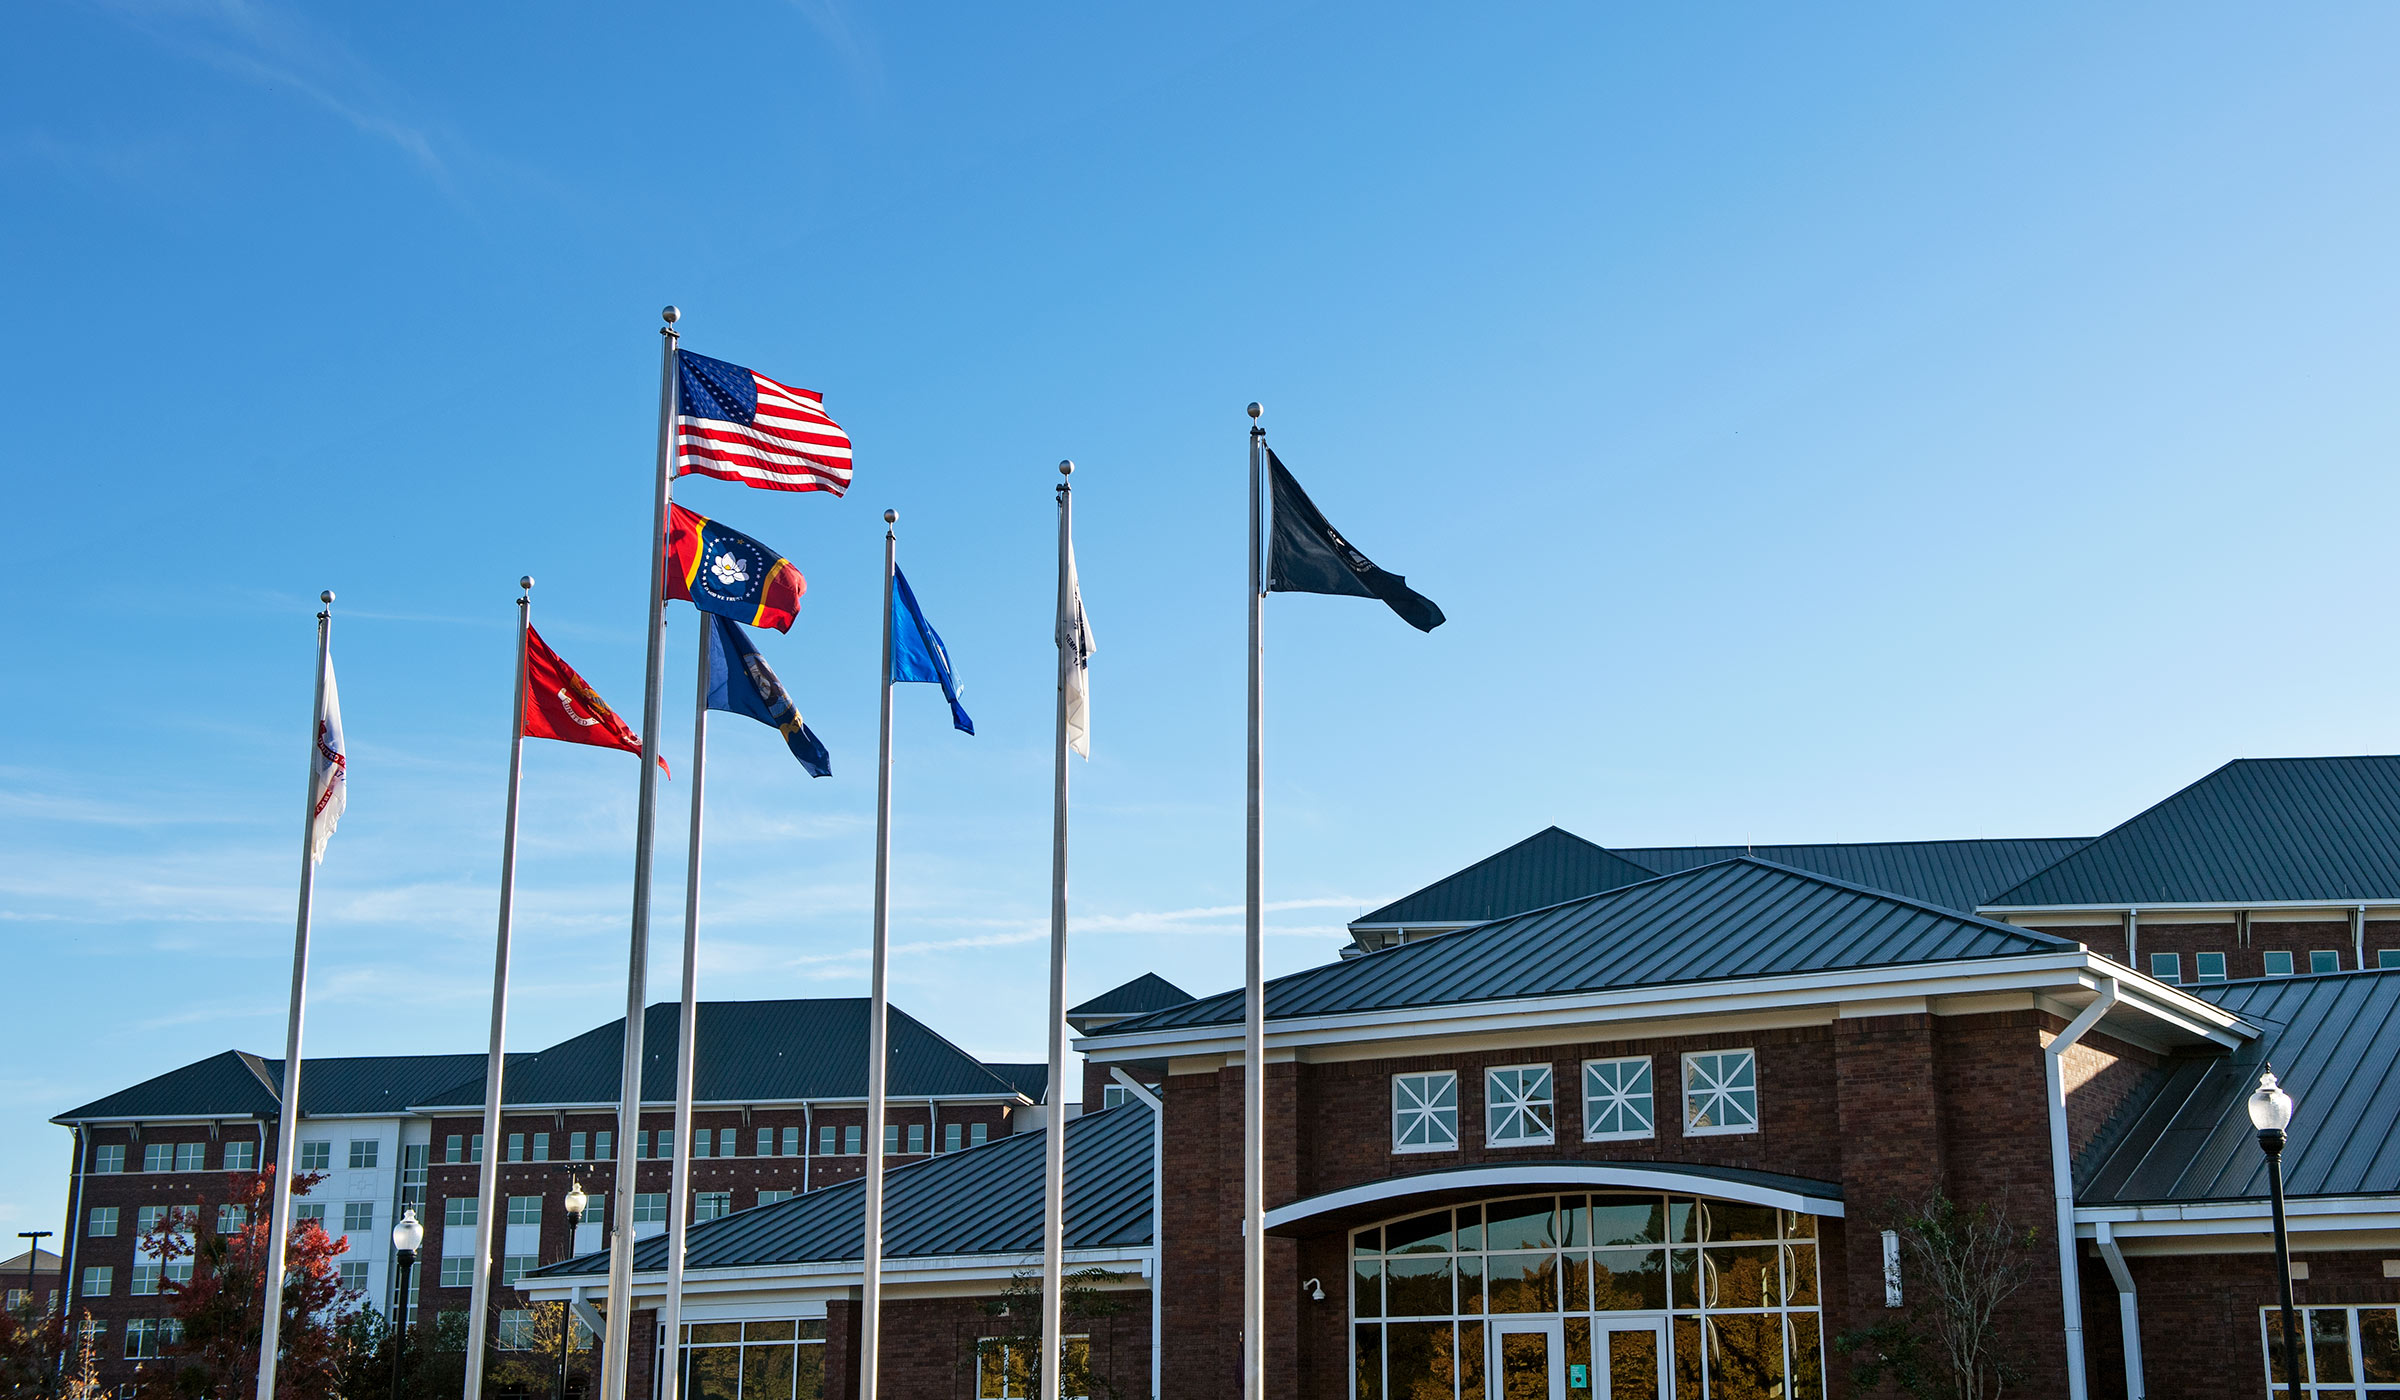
x: 1618, y: 1102
x: 1720, y: 1093
x: 1518, y: 1106
x: 1425, y: 1112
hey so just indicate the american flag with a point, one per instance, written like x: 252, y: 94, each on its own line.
x: 738, y: 425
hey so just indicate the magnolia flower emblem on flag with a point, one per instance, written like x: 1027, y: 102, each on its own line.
x: 328, y: 770
x: 719, y: 569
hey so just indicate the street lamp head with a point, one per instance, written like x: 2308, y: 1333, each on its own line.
x: 576, y: 1200
x: 2270, y: 1107
x: 408, y: 1234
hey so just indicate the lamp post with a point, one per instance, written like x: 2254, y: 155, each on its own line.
x: 33, y: 1251
x: 406, y: 1236
x: 2271, y: 1113
x: 575, y: 1203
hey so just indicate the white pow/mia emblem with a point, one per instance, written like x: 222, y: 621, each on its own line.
x: 727, y: 569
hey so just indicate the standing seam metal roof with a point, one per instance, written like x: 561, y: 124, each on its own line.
x: 985, y: 1200
x: 236, y: 1084
x: 1960, y: 875
x: 1738, y: 918
x: 1546, y: 868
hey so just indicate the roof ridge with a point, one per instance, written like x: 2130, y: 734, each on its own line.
x: 1932, y: 841
x: 2001, y: 898
x: 257, y: 1065
x: 2032, y: 935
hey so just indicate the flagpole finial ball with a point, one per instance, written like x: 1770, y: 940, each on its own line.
x: 891, y: 517
x: 326, y: 596
x: 1066, y: 469
x: 1255, y: 410
x: 526, y: 582
x: 671, y: 315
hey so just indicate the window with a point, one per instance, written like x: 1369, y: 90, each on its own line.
x: 791, y: 1142
x: 241, y: 1156
x: 2279, y: 964
x: 1424, y: 1112
x: 770, y: 1196
x: 17, y: 1299
x: 604, y: 1147
x: 575, y: 1147
x: 891, y: 1139
x: 145, y: 1280
x: 358, y: 1217
x: 524, y: 1210
x: 541, y: 1147
x: 1004, y: 1366
x: 666, y: 1144
x: 318, y: 1156
x: 143, y: 1338
x: 2324, y: 960
x: 1720, y: 1093
x: 516, y: 1329
x: 712, y: 1204
x: 2211, y: 966
x: 702, y: 1140
x: 2339, y: 1347
x: 309, y: 1210
x: 641, y: 1143
x: 458, y: 1272
x: 2167, y: 967
x: 454, y: 1148
x: 95, y: 1332
x: 158, y: 1156
x: 1617, y: 1100
x: 412, y: 1174
x: 98, y: 1281
x: 951, y: 1137
x: 109, y: 1157
x: 2388, y: 957
x: 916, y: 1137
x: 650, y: 1208
x: 1517, y: 1106
x: 517, y: 1266
x: 191, y: 1156
x: 854, y: 1140
x: 147, y: 1220
x: 729, y: 1142
x: 101, y: 1223
x: 516, y: 1147
x: 1113, y: 1096
x: 179, y: 1272
x: 824, y: 1142
x: 362, y: 1153
x: 459, y: 1212
x: 232, y: 1220
x: 354, y: 1277
x: 977, y: 1133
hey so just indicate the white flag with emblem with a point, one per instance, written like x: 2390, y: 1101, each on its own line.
x: 328, y: 771
x: 1075, y: 635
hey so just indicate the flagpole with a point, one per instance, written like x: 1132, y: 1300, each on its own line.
x: 687, y: 1044
x: 487, y: 1191
x: 870, y: 1301
x: 1054, y: 1125
x: 287, y: 1127
x: 1254, y: 998
x: 616, y: 1343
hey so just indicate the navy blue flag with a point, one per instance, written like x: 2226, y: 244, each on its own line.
x: 917, y: 651
x: 740, y: 683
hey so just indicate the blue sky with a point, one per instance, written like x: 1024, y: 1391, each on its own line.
x: 1880, y: 424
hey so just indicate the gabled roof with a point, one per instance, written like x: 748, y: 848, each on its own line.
x: 44, y: 1262
x: 371, y: 1084
x: 2334, y: 1041
x: 985, y: 1200
x: 748, y: 1051
x: 1736, y: 919
x: 1031, y: 1080
x: 229, y: 1084
x: 2263, y: 830
x: 1960, y: 875
x: 1546, y: 868
x: 1148, y: 992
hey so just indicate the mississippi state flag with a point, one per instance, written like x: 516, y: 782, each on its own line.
x: 559, y: 704
x: 723, y: 571
x: 738, y: 425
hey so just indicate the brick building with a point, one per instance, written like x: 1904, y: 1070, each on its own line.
x: 29, y: 1283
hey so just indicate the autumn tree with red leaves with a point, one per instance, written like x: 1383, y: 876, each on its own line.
x: 220, y: 1308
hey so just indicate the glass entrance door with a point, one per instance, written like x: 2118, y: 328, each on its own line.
x: 1629, y: 1359
x: 1528, y: 1359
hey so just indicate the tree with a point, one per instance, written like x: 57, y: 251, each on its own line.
x: 1961, y: 1266
x: 1014, y: 1352
x: 219, y: 1310
x: 82, y: 1380
x: 30, y: 1343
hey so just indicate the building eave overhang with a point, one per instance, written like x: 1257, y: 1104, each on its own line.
x: 1004, y: 1098
x: 1370, y: 1201
x: 2173, y: 906
x: 2207, y: 1219
x: 838, y: 1273
x: 2068, y: 973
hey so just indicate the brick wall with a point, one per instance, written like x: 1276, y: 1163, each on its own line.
x: 2242, y: 960
x: 929, y: 1346
x: 2200, y: 1316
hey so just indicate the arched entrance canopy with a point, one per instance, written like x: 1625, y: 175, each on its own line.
x: 1373, y: 1200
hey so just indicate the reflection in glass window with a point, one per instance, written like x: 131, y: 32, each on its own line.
x: 1517, y: 1106
x: 1617, y: 1101
x: 2339, y: 1347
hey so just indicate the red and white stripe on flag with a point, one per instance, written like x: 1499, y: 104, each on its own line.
x: 790, y: 444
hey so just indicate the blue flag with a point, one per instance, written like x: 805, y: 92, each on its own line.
x: 917, y: 651
x: 740, y: 683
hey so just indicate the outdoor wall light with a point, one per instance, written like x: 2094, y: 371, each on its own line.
x: 1315, y: 1289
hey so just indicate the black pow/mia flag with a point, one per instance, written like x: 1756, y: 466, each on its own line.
x: 1307, y: 555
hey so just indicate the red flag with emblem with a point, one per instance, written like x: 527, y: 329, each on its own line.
x: 560, y: 704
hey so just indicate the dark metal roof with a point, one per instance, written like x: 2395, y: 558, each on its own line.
x: 2334, y: 1041
x: 1960, y: 875
x: 1148, y: 992
x: 229, y: 1084
x: 2257, y: 829
x: 375, y: 1083
x: 749, y: 1051
x: 985, y: 1200
x: 1739, y: 918
x: 1545, y: 868
x: 1033, y: 1081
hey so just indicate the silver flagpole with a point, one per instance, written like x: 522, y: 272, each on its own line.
x: 1054, y: 1126
x: 487, y: 1191
x: 687, y: 1043
x: 287, y: 1126
x: 617, y: 1342
x: 870, y: 1299
x: 1254, y: 996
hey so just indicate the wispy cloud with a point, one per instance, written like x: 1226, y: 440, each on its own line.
x: 848, y: 40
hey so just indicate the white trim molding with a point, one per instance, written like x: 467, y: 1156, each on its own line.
x: 1536, y: 1176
